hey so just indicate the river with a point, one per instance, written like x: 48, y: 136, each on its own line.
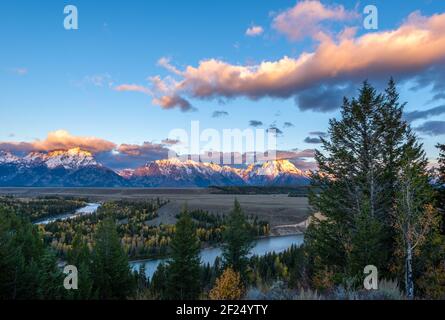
x: 90, y: 208
x: 208, y: 255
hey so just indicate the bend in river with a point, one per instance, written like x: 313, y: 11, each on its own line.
x: 90, y: 208
x: 208, y: 255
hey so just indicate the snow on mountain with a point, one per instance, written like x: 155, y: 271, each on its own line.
x: 274, y: 172
x: 70, y: 159
x: 76, y: 167
x: 174, y: 172
x: 177, y: 173
x: 8, y: 158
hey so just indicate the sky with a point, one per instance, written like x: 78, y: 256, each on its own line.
x: 134, y: 71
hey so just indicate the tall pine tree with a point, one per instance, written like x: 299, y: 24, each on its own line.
x: 112, y: 278
x: 183, y: 270
x: 238, y: 241
x: 349, y: 189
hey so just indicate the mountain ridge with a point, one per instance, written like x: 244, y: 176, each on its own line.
x: 78, y: 168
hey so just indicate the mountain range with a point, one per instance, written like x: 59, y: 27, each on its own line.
x: 79, y: 168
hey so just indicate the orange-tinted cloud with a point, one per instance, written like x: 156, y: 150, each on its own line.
x: 306, y: 17
x: 132, y: 87
x: 60, y: 140
x: 254, y: 31
x: 416, y: 46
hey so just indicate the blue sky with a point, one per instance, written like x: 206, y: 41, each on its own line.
x: 53, y: 79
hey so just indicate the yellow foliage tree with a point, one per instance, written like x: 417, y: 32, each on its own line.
x: 227, y: 287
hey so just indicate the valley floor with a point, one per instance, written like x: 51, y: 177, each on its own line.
x: 286, y: 215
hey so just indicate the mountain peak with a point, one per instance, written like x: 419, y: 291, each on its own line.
x: 70, y: 159
x: 73, y: 152
x: 7, y: 157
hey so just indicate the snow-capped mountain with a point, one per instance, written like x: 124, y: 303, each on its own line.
x: 176, y: 173
x: 275, y: 172
x: 70, y: 168
x: 71, y: 159
x: 7, y: 157
x: 78, y: 168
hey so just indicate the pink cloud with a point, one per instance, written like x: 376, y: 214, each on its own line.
x: 132, y: 87
x: 417, y: 45
x: 60, y: 140
x: 305, y: 18
x: 254, y: 31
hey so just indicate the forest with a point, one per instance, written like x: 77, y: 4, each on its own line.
x: 379, y: 204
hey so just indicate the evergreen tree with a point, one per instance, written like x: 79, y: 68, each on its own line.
x: 183, y: 271
x: 355, y: 187
x: 158, y: 283
x: 28, y: 269
x: 80, y: 256
x: 112, y: 278
x: 238, y: 241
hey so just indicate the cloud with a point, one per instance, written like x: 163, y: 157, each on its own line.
x: 295, y: 154
x: 288, y: 125
x: 275, y: 130
x: 99, y: 80
x: 165, y: 63
x: 432, y: 128
x: 318, y: 133
x: 323, y: 98
x: 312, y: 140
x: 415, y: 115
x: 133, y: 155
x: 170, y: 102
x: 170, y: 142
x: 254, y: 31
x: 335, y: 66
x: 219, y: 114
x: 20, y: 71
x: 132, y: 88
x: 60, y: 140
x: 316, y: 137
x: 255, y: 123
x: 306, y: 18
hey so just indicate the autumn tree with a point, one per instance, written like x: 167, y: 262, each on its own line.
x: 441, y: 184
x: 415, y: 217
x: 228, y: 286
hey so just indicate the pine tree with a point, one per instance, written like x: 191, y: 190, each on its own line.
x: 238, y: 241
x: 355, y: 187
x: 28, y: 269
x: 80, y: 256
x: 112, y: 278
x: 183, y: 271
x: 158, y: 283
x: 347, y: 187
